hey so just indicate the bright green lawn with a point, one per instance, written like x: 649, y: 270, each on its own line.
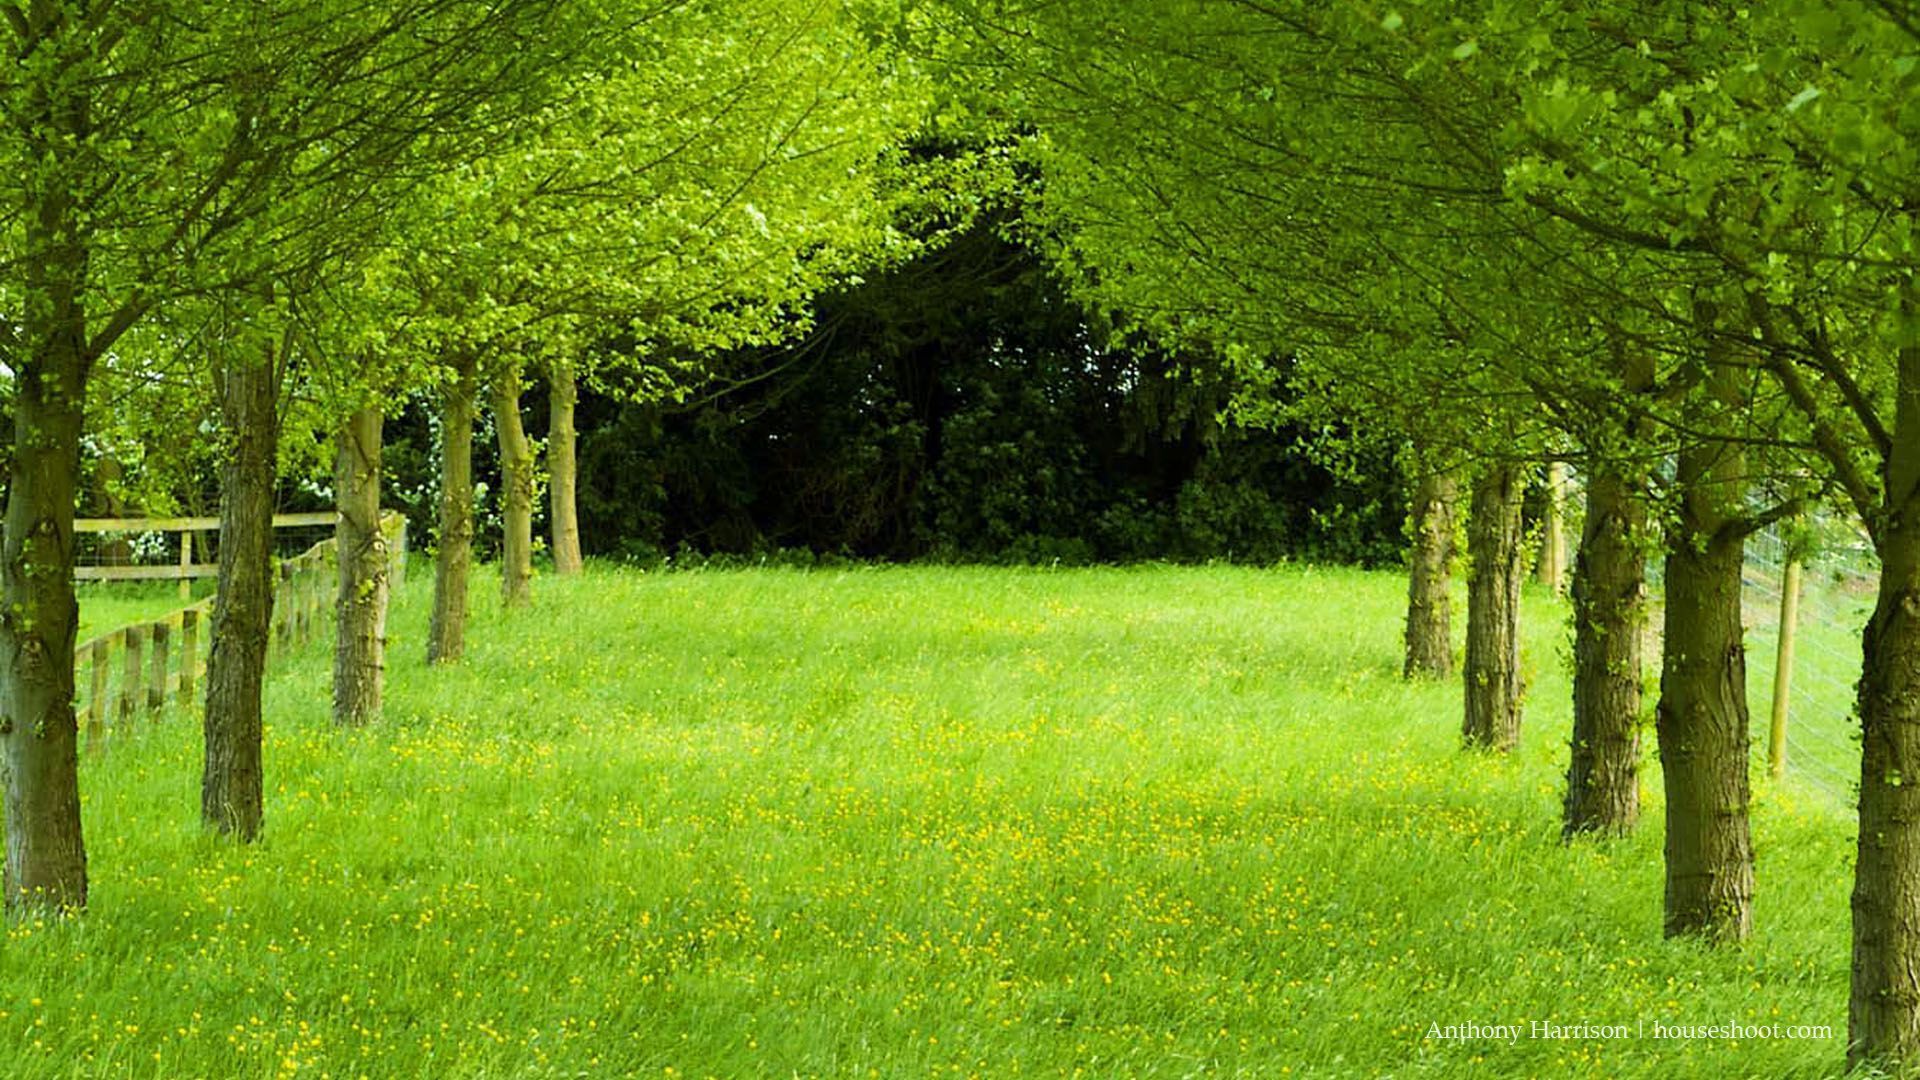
x: 107, y: 606
x: 905, y: 823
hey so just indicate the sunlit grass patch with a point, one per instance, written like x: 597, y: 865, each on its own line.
x: 906, y: 822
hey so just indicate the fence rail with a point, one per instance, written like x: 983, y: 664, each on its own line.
x: 133, y: 671
x: 185, y: 569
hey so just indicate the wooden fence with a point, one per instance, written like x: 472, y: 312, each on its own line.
x: 137, y: 669
x: 186, y: 568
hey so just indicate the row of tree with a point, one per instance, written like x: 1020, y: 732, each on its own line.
x: 1672, y: 243
x: 1669, y: 243
x: 249, y: 228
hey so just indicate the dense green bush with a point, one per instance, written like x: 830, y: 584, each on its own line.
x: 963, y: 409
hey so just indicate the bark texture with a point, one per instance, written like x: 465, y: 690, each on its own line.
x: 1884, y: 1006
x: 46, y: 855
x: 1429, y: 634
x: 1702, y: 716
x: 563, y: 470
x: 360, y: 612
x: 1492, y: 672
x: 46, y: 867
x: 1609, y: 613
x: 453, y: 559
x: 516, y: 496
x: 230, y: 782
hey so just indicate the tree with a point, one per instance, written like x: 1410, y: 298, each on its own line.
x: 1286, y: 176
x: 1429, y: 629
x: 1188, y: 194
x: 138, y: 149
x: 701, y: 193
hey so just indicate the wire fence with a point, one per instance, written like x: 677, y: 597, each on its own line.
x: 1836, y: 597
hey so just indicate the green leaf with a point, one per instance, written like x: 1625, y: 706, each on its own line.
x: 1803, y: 97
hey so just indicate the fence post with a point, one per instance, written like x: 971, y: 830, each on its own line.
x: 186, y: 564
x: 316, y: 596
x: 282, y: 619
x: 297, y: 603
x: 305, y: 602
x: 316, y: 593
x: 102, y: 650
x: 157, y: 682
x: 1783, y: 668
x: 132, y: 675
x: 189, y: 654
x: 309, y: 597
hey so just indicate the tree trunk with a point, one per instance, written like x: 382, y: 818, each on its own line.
x: 1609, y: 614
x: 230, y: 784
x: 46, y: 868
x: 1702, y: 719
x: 447, y: 633
x: 46, y: 856
x: 563, y: 468
x: 516, y: 495
x: 1884, y: 1006
x: 1553, y: 545
x: 1492, y: 673
x: 1429, y: 579
x: 360, y: 646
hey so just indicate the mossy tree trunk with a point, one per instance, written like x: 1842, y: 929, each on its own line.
x: 1609, y: 614
x: 231, y: 780
x: 1884, y: 1006
x: 360, y: 610
x: 46, y: 870
x: 46, y: 854
x: 563, y: 470
x: 516, y: 495
x: 1702, y: 717
x: 1492, y: 673
x: 453, y: 557
x: 1429, y: 632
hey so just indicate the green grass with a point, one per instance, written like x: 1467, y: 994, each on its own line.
x: 108, y: 606
x: 905, y: 823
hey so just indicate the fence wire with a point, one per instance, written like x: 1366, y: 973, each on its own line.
x: 1838, y: 584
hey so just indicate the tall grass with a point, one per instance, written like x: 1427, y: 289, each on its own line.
x: 903, y: 823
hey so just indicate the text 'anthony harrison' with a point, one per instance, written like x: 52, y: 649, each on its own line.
x: 1531, y: 1029
x: 1472, y: 1032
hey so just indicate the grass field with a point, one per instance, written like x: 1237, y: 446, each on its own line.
x: 904, y: 823
x: 106, y: 606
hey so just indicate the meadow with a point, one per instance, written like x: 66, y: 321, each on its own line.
x: 107, y: 605
x: 1156, y: 822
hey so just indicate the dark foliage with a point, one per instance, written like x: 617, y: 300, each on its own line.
x: 960, y: 408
